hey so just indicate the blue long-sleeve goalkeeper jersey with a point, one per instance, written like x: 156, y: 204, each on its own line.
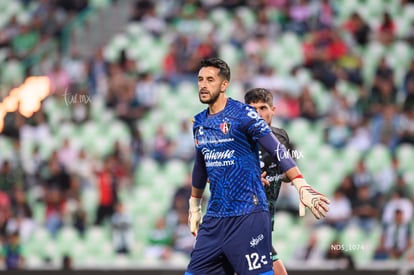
x: 226, y: 144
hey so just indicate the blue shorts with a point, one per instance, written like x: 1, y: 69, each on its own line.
x: 240, y: 244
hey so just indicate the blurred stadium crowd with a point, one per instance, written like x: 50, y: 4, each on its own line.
x: 99, y: 175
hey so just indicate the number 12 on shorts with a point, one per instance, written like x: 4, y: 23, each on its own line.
x: 255, y: 261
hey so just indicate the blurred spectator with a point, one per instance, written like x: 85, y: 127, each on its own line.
x: 83, y: 168
x: 137, y: 148
x: 122, y: 235
x: 326, y: 14
x: 401, y: 186
x: 151, y: 21
x: 288, y: 106
x: 24, y: 43
x: 160, y: 241
x: 79, y: 102
x: 54, y: 176
x: 12, y: 252
x: 396, y: 236
x: 140, y: 8
x: 388, y: 178
x: 408, y: 77
x: 255, y: 48
x: 55, y: 208
x: 362, y: 107
x: 179, y: 202
x: 121, y: 97
x: 308, y: 108
x: 287, y: 200
x: 406, y: 131
x: 385, y: 127
x: 349, y: 188
x: 408, y: 103
x: 9, y: 178
x: 206, y: 48
x: 361, y: 176
x: 122, y: 164
x: 78, y: 216
x: 386, y: 30
x: 59, y: 79
x: 266, y: 26
x: 360, y: 138
x: 36, y: 128
x: 410, y: 36
x: 340, y: 211
x: 358, y: 28
x: 300, y: 14
x: 147, y: 91
x: 239, y: 33
x: 32, y: 166
x: 320, y: 50
x: 338, y: 254
x: 9, y: 31
x: 365, y: 210
x: 107, y: 190
x: 22, y: 219
x: 337, y: 132
x: 97, y: 74
x: 67, y: 262
x: 183, y: 240
x: 311, y: 252
x: 75, y: 66
x: 383, y: 94
x: 399, y: 201
x: 350, y: 68
x: 183, y: 146
x: 170, y: 65
x: 162, y: 145
x: 67, y: 155
x: 267, y: 78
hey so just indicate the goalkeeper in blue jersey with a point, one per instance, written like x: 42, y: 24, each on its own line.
x: 235, y: 235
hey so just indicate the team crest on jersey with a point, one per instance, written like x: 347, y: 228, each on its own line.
x: 225, y: 127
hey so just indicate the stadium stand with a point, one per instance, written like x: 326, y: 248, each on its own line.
x: 331, y: 94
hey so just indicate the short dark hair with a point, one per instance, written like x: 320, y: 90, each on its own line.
x: 258, y: 95
x: 224, y: 69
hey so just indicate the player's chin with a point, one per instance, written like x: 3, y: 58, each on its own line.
x: 205, y: 99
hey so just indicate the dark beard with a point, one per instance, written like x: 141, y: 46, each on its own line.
x: 212, y: 100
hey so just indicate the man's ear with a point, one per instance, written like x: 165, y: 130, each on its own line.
x: 224, y: 85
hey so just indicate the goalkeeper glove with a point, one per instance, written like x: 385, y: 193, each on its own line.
x: 194, y: 214
x: 310, y: 198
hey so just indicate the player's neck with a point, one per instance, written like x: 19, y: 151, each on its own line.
x: 218, y: 105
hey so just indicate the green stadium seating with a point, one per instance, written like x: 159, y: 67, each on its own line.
x: 378, y: 158
x: 66, y: 239
x: 325, y: 235
x: 405, y: 156
x: 12, y: 73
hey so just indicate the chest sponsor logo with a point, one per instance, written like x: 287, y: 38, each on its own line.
x: 215, y: 158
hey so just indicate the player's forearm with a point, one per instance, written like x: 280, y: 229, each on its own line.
x: 293, y: 173
x: 196, y: 192
x: 272, y: 145
x: 199, y: 175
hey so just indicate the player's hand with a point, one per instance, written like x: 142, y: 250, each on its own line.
x: 194, y: 214
x: 265, y: 182
x: 315, y: 201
